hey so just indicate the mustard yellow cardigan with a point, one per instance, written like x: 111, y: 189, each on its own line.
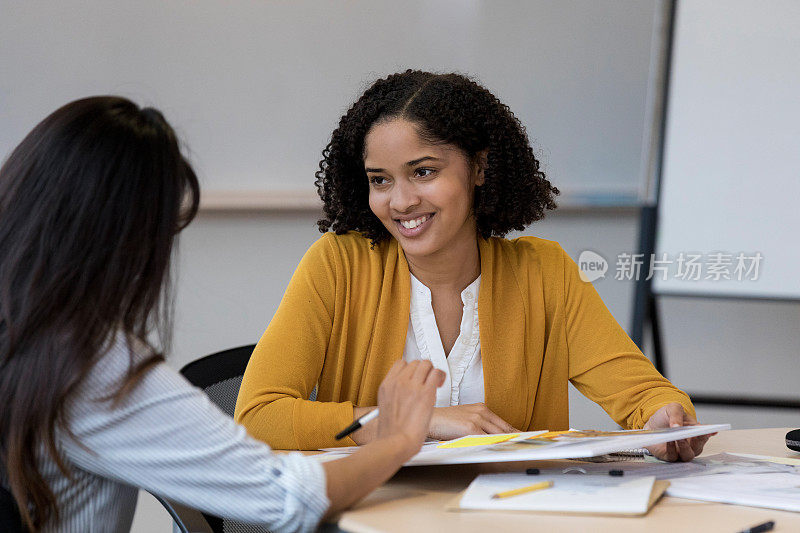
x: 342, y: 324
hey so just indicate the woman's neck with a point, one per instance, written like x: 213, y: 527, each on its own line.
x: 452, y: 268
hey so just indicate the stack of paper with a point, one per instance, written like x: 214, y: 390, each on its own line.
x: 536, y: 445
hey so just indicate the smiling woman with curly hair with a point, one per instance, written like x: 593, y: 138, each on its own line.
x: 423, y: 177
x: 445, y: 109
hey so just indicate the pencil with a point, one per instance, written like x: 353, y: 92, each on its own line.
x: 523, y: 490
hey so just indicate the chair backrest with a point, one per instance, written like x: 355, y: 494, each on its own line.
x: 220, y: 375
x: 10, y: 521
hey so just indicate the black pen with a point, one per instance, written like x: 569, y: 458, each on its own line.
x: 760, y: 528
x: 355, y: 426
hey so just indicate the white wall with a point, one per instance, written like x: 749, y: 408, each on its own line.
x: 255, y: 88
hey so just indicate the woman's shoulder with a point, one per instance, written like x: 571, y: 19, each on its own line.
x: 351, y: 248
x: 341, y: 264
x: 549, y: 254
x: 114, y: 367
x: 350, y: 240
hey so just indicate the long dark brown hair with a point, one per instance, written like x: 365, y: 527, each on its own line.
x: 90, y: 204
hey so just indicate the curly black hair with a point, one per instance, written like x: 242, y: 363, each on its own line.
x: 445, y: 108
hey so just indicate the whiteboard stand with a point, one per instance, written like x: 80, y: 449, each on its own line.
x: 645, y: 306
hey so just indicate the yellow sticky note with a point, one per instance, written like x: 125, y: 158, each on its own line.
x: 466, y: 442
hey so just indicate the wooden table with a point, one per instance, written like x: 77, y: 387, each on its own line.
x: 415, y: 500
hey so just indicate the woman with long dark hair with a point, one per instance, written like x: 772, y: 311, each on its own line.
x: 90, y: 204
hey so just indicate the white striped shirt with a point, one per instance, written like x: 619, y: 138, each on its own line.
x: 170, y: 439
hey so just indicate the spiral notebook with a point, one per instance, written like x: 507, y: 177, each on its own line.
x: 634, y: 454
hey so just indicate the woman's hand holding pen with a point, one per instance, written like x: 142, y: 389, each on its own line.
x: 405, y: 399
x: 670, y: 416
x: 405, y: 385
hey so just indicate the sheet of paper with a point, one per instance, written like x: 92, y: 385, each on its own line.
x: 656, y: 469
x: 792, y: 461
x: 569, y: 493
x: 776, y: 490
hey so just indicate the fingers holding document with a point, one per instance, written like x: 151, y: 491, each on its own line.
x: 674, y: 415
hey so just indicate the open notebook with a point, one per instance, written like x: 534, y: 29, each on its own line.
x: 570, y: 493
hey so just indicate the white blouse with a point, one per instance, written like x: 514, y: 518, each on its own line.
x: 463, y: 368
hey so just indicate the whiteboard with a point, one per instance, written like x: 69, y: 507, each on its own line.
x: 255, y: 88
x: 731, y: 174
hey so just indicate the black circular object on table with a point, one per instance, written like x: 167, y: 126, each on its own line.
x: 616, y: 473
x: 793, y: 440
x: 532, y: 471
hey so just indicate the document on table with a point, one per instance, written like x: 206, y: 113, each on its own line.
x: 538, y: 445
x: 719, y: 464
x: 570, y: 493
x: 740, y: 479
x: 774, y: 490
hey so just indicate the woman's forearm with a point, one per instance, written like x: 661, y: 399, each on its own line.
x: 353, y: 477
x: 290, y: 423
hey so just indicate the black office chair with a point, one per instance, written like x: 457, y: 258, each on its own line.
x: 10, y: 522
x: 220, y: 375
